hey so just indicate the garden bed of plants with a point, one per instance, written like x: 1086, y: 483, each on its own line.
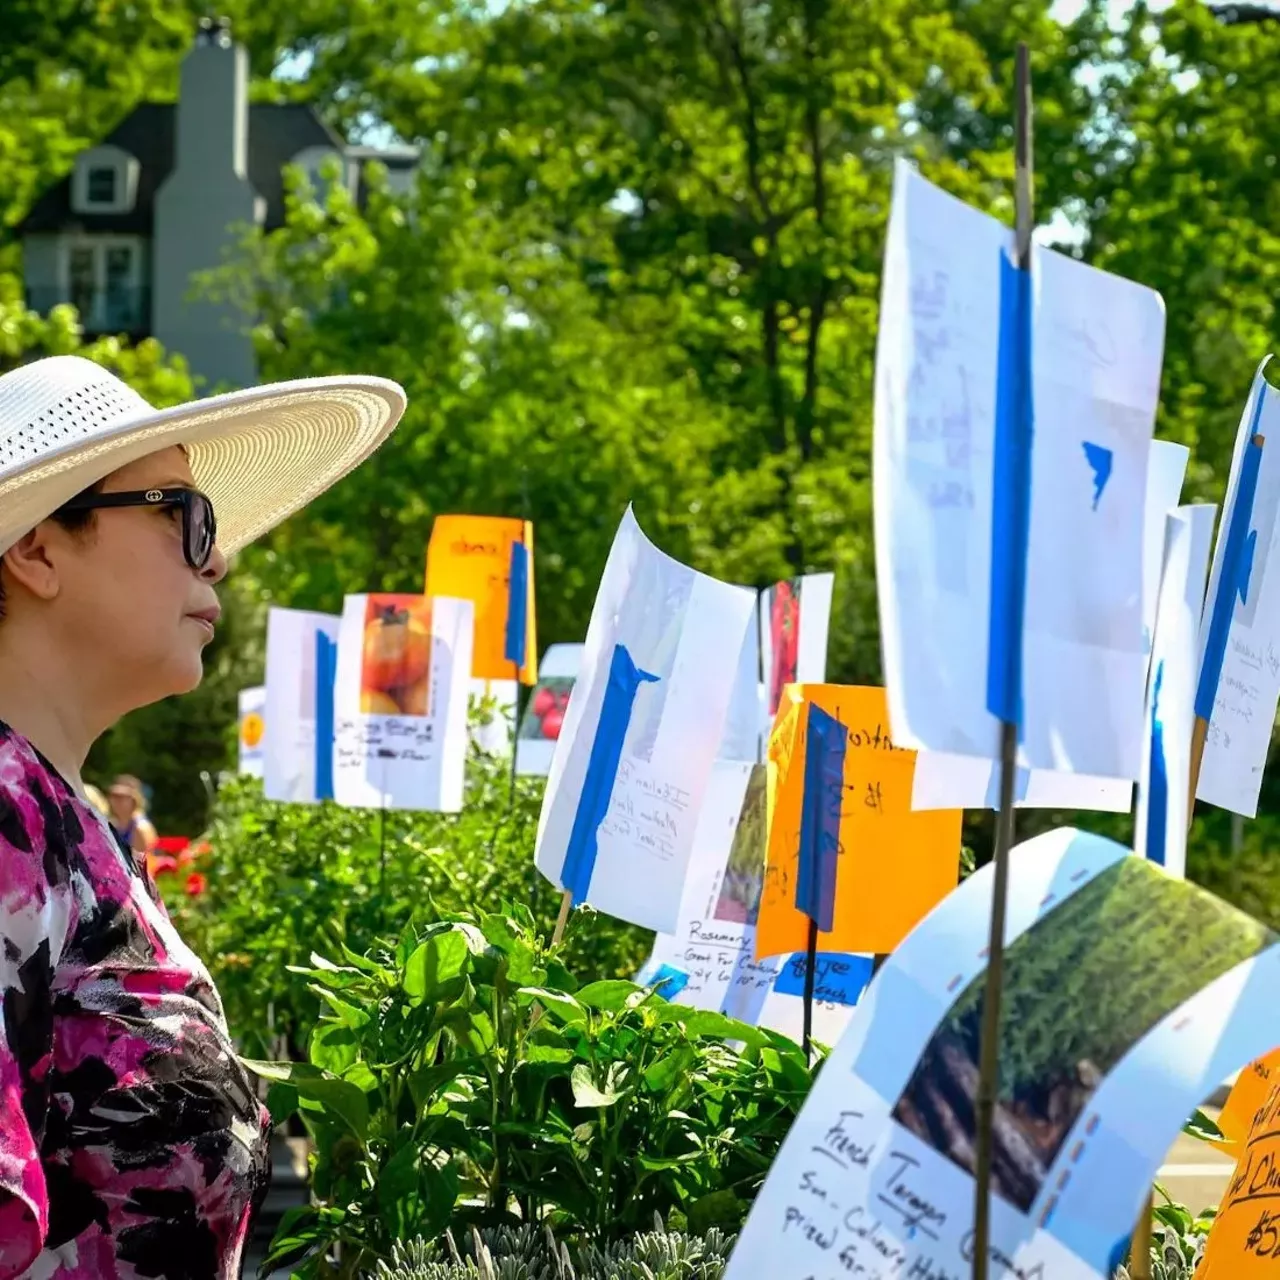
x: 480, y: 1105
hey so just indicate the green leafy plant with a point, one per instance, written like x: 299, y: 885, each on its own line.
x: 462, y: 1077
x: 284, y: 880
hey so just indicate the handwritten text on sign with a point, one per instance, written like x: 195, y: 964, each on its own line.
x: 386, y: 738
x: 648, y: 811
x: 848, y: 1229
x: 1245, y: 1240
x: 893, y: 863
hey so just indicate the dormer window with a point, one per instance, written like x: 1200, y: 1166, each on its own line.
x: 105, y: 180
x: 100, y: 185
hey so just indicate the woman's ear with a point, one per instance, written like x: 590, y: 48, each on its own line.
x: 28, y: 564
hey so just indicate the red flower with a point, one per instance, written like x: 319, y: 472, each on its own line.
x: 161, y: 863
x: 196, y: 884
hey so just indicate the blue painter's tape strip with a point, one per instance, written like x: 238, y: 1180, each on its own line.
x: 826, y: 740
x: 1230, y: 575
x: 326, y: 676
x: 1011, y: 495
x: 625, y: 679
x: 837, y: 978
x: 669, y: 981
x: 517, y: 604
x: 1158, y: 779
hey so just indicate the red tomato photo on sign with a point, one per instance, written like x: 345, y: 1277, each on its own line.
x: 544, y: 715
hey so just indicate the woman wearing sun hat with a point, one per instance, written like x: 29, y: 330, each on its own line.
x: 131, y: 1141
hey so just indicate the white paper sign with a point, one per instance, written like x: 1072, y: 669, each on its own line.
x: 544, y: 712
x: 1244, y: 709
x: 742, y: 739
x: 1164, y: 795
x: 874, y: 1179
x: 642, y: 732
x: 250, y: 703
x: 966, y: 782
x: 708, y: 962
x: 1166, y: 471
x: 400, y: 705
x: 289, y: 744
x: 1097, y: 342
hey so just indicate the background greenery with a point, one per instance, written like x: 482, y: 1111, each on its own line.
x: 642, y: 265
x: 285, y: 880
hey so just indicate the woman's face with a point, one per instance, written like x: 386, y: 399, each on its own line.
x: 125, y: 595
x: 122, y: 805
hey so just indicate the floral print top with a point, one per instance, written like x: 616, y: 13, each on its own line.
x: 131, y: 1141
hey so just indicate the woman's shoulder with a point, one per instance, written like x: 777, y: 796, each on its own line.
x: 34, y: 867
x: 32, y: 794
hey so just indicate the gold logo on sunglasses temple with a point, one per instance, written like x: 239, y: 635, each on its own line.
x: 154, y: 495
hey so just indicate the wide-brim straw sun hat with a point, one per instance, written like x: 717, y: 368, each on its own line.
x: 259, y: 454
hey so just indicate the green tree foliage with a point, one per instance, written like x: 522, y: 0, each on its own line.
x: 642, y: 262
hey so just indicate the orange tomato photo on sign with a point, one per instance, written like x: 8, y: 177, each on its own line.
x: 395, y: 665
x: 251, y: 729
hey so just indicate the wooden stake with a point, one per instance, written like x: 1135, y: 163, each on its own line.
x: 988, y: 1064
x: 566, y: 902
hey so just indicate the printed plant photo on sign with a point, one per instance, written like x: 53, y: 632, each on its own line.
x: 795, y: 620
x: 1116, y: 953
x: 743, y: 883
x: 396, y: 664
x: 784, y: 632
x: 544, y: 712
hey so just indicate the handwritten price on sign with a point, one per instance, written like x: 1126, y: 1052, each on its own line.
x: 1263, y: 1241
x: 1246, y: 1233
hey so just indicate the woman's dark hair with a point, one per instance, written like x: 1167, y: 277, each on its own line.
x: 71, y: 521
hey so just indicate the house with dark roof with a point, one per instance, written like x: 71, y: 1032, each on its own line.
x: 166, y: 195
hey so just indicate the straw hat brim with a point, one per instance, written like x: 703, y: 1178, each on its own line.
x: 259, y: 454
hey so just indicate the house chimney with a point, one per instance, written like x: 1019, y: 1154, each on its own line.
x: 213, y: 101
x: 202, y: 207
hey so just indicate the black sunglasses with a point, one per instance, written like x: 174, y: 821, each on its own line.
x: 199, y: 527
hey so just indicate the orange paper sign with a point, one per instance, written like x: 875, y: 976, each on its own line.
x: 1247, y: 1094
x: 894, y: 864
x: 1245, y: 1240
x: 469, y: 558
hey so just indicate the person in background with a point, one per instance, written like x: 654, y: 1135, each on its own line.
x: 129, y: 817
x: 132, y: 1141
x: 97, y: 799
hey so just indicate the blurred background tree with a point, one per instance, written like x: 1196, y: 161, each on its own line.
x: 642, y: 262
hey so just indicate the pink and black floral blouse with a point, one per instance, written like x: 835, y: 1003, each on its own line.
x: 131, y: 1141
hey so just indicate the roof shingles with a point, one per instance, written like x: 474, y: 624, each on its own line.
x: 277, y: 132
